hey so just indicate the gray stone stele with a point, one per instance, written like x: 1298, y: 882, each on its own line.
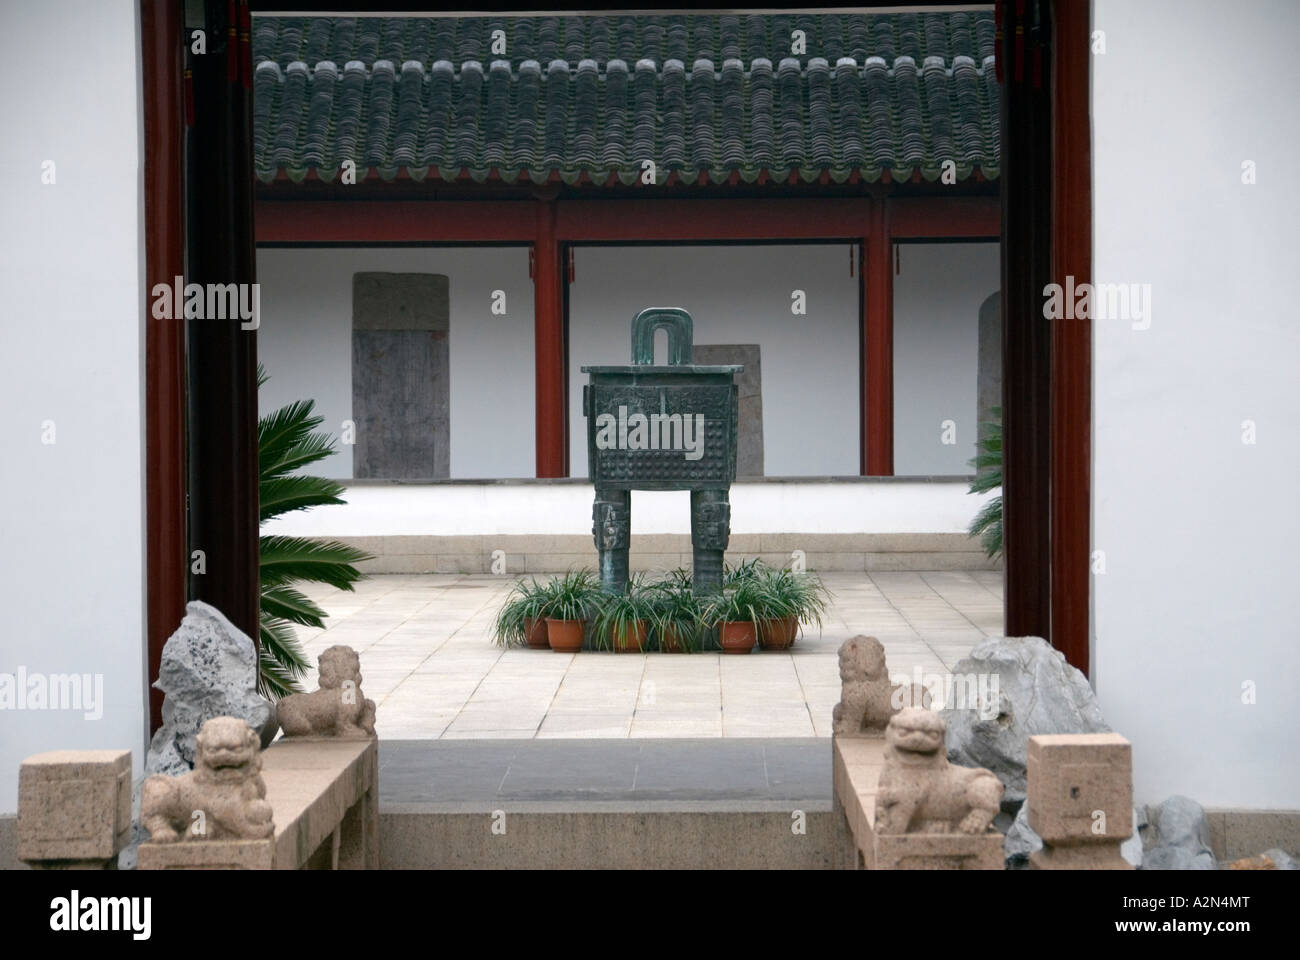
x: 749, y: 398
x: 1038, y: 692
x: 400, y: 383
x: 1021, y: 841
x: 1178, y: 837
x: 208, y: 669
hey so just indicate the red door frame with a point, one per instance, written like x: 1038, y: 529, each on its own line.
x: 1071, y: 349
x: 166, y: 559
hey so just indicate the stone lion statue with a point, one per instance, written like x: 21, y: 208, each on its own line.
x: 867, y: 698
x: 920, y: 792
x: 338, y: 708
x: 222, y: 798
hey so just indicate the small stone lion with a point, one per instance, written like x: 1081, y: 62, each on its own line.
x: 338, y: 708
x: 867, y: 698
x: 222, y: 798
x: 920, y: 792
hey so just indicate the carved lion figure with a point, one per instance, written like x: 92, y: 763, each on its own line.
x: 338, y: 708
x: 867, y: 698
x: 222, y: 798
x: 920, y: 792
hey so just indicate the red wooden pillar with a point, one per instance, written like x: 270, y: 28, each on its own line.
x: 1071, y: 339
x: 548, y: 339
x: 878, y: 345
x: 164, y: 203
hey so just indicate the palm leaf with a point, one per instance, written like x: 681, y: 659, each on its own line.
x: 287, y: 443
x: 280, y: 495
x: 281, y: 661
x: 987, y: 523
x: 286, y: 559
x: 282, y: 430
x: 285, y: 603
x: 307, y: 451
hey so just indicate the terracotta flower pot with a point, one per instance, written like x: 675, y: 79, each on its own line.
x: 565, y: 636
x: 777, y: 634
x: 630, y: 640
x: 670, y: 641
x: 535, y: 634
x: 737, y: 636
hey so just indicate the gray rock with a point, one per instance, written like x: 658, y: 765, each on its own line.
x: 1281, y: 859
x: 208, y: 669
x: 1036, y: 692
x: 1133, y: 848
x: 1021, y: 841
x: 1178, y: 837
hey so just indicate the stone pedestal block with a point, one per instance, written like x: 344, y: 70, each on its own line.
x: 1079, y: 797
x: 74, y: 808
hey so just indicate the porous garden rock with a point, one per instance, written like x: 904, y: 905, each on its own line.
x: 1178, y: 837
x: 208, y: 669
x: 1036, y: 692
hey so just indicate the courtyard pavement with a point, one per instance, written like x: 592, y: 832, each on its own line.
x: 430, y: 666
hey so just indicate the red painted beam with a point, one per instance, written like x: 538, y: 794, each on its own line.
x: 548, y: 334
x: 166, y: 561
x: 940, y: 218
x: 878, y: 345
x: 1071, y: 339
x: 403, y: 221
x: 593, y: 221
x: 678, y: 220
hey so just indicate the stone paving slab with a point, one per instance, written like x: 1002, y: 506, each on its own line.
x: 792, y: 770
x: 430, y: 666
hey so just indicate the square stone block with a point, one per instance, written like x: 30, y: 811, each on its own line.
x: 74, y: 805
x: 208, y: 855
x: 1075, y: 778
x: 940, y: 851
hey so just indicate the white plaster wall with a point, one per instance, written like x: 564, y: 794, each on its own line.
x: 1199, y: 530
x: 938, y: 290
x: 305, y: 342
x: 736, y: 294
x: 71, y: 281
x: 565, y: 508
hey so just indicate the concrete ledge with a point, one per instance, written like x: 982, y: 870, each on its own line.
x: 608, y: 836
x: 551, y: 553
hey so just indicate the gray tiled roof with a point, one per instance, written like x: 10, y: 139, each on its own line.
x: 592, y: 97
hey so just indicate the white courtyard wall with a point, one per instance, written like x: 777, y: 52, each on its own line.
x: 71, y: 280
x: 1196, y: 643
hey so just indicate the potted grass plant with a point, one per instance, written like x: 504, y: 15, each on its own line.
x: 623, y: 620
x: 786, y: 600
x: 735, y: 611
x: 569, y: 603
x: 679, y: 615
x: 521, y: 620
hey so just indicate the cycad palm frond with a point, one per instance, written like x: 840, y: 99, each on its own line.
x: 288, y: 559
x: 280, y: 659
x: 280, y: 495
x: 987, y: 523
x: 286, y: 443
x: 285, y: 603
